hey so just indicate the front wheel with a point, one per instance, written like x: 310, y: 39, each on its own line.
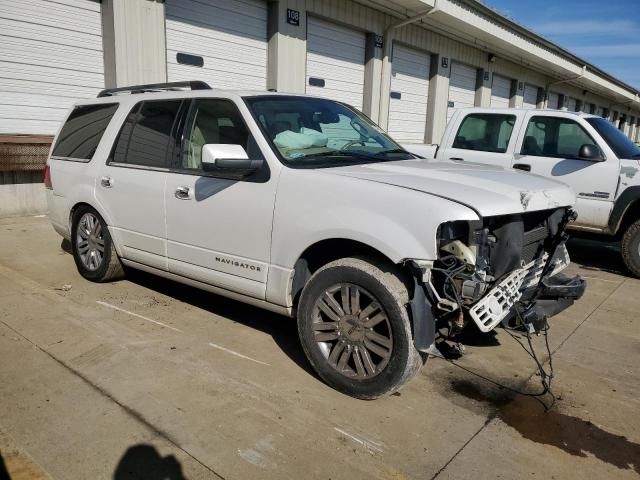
x: 631, y: 248
x: 355, y: 329
x: 93, y: 249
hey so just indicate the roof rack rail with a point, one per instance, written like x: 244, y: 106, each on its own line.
x: 156, y: 87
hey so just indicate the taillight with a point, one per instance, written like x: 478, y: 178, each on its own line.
x: 47, y: 178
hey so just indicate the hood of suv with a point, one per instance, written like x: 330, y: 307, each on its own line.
x: 488, y: 190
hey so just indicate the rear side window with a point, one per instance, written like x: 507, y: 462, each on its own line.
x: 485, y: 132
x: 146, y: 136
x: 81, y: 133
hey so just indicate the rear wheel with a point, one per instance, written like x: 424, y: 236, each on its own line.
x: 93, y: 249
x: 355, y: 329
x: 631, y: 248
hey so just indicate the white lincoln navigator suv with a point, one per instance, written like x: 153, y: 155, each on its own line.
x: 303, y: 206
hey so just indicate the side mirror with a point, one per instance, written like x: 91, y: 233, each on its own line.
x: 590, y: 152
x: 228, y: 159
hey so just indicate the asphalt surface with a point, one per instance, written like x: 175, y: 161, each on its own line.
x: 146, y: 378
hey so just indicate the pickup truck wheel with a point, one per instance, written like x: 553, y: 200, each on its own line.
x: 93, y: 249
x: 355, y: 328
x: 631, y: 248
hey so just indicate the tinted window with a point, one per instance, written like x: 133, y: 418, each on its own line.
x: 485, y: 132
x: 81, y: 133
x: 554, y: 137
x: 145, y: 138
x: 209, y: 122
x: 617, y: 141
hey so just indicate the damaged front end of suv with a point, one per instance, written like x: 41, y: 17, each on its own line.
x: 498, y: 270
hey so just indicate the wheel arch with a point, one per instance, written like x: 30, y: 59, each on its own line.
x: 625, y: 211
x: 100, y: 212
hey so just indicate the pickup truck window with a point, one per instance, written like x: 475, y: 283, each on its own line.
x: 485, y: 132
x: 554, y: 137
x: 146, y: 134
x: 316, y: 132
x: 211, y: 121
x: 618, y: 141
x: 83, y: 130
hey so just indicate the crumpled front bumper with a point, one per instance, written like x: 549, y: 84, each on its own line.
x: 544, y: 298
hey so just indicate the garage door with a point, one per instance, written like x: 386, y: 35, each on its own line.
x: 530, y: 97
x: 552, y: 100
x: 571, y: 104
x: 223, y: 42
x: 50, y: 56
x: 500, y: 92
x: 409, y: 94
x: 599, y: 111
x: 462, y: 87
x: 335, y: 62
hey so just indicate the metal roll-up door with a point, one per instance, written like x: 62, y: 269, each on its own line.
x: 462, y: 87
x: 335, y: 62
x: 500, y: 92
x: 553, y: 101
x: 599, y: 111
x: 409, y: 94
x: 50, y: 56
x: 571, y: 104
x: 223, y: 42
x: 530, y: 97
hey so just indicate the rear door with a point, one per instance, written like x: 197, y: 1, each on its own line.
x: 218, y: 229
x: 131, y: 185
x: 548, y: 145
x: 482, y: 138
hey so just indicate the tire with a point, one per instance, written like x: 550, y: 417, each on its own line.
x: 631, y: 248
x: 338, y: 340
x: 88, y: 231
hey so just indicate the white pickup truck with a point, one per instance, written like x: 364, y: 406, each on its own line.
x: 584, y: 151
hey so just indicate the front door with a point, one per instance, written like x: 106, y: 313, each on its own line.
x: 219, y: 230
x: 550, y: 147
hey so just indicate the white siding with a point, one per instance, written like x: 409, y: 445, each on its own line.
x: 335, y: 54
x: 500, y: 91
x: 230, y: 36
x: 530, y: 96
x: 409, y: 79
x: 553, y: 100
x: 50, y: 56
x: 462, y: 87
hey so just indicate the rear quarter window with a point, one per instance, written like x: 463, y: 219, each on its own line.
x: 80, y: 135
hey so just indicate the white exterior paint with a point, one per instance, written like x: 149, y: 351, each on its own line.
x: 230, y: 36
x: 500, y: 92
x: 530, y: 97
x: 336, y: 55
x: 462, y: 87
x: 50, y: 56
x: 571, y: 104
x: 410, y: 79
x: 553, y: 100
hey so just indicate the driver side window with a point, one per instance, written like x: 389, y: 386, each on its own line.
x: 554, y: 137
x: 211, y: 121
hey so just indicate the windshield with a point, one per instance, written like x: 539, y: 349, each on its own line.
x: 618, y: 141
x: 314, y: 132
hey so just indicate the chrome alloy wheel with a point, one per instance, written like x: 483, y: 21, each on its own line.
x: 352, y: 330
x: 90, y: 241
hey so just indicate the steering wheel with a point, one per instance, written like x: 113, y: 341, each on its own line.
x: 352, y: 143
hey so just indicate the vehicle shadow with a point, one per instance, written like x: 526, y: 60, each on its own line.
x: 4, y: 473
x: 282, y: 329
x: 596, y: 255
x: 144, y: 462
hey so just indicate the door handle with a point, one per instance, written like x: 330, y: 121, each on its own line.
x: 457, y: 159
x: 522, y: 166
x: 106, y: 182
x: 182, y: 193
